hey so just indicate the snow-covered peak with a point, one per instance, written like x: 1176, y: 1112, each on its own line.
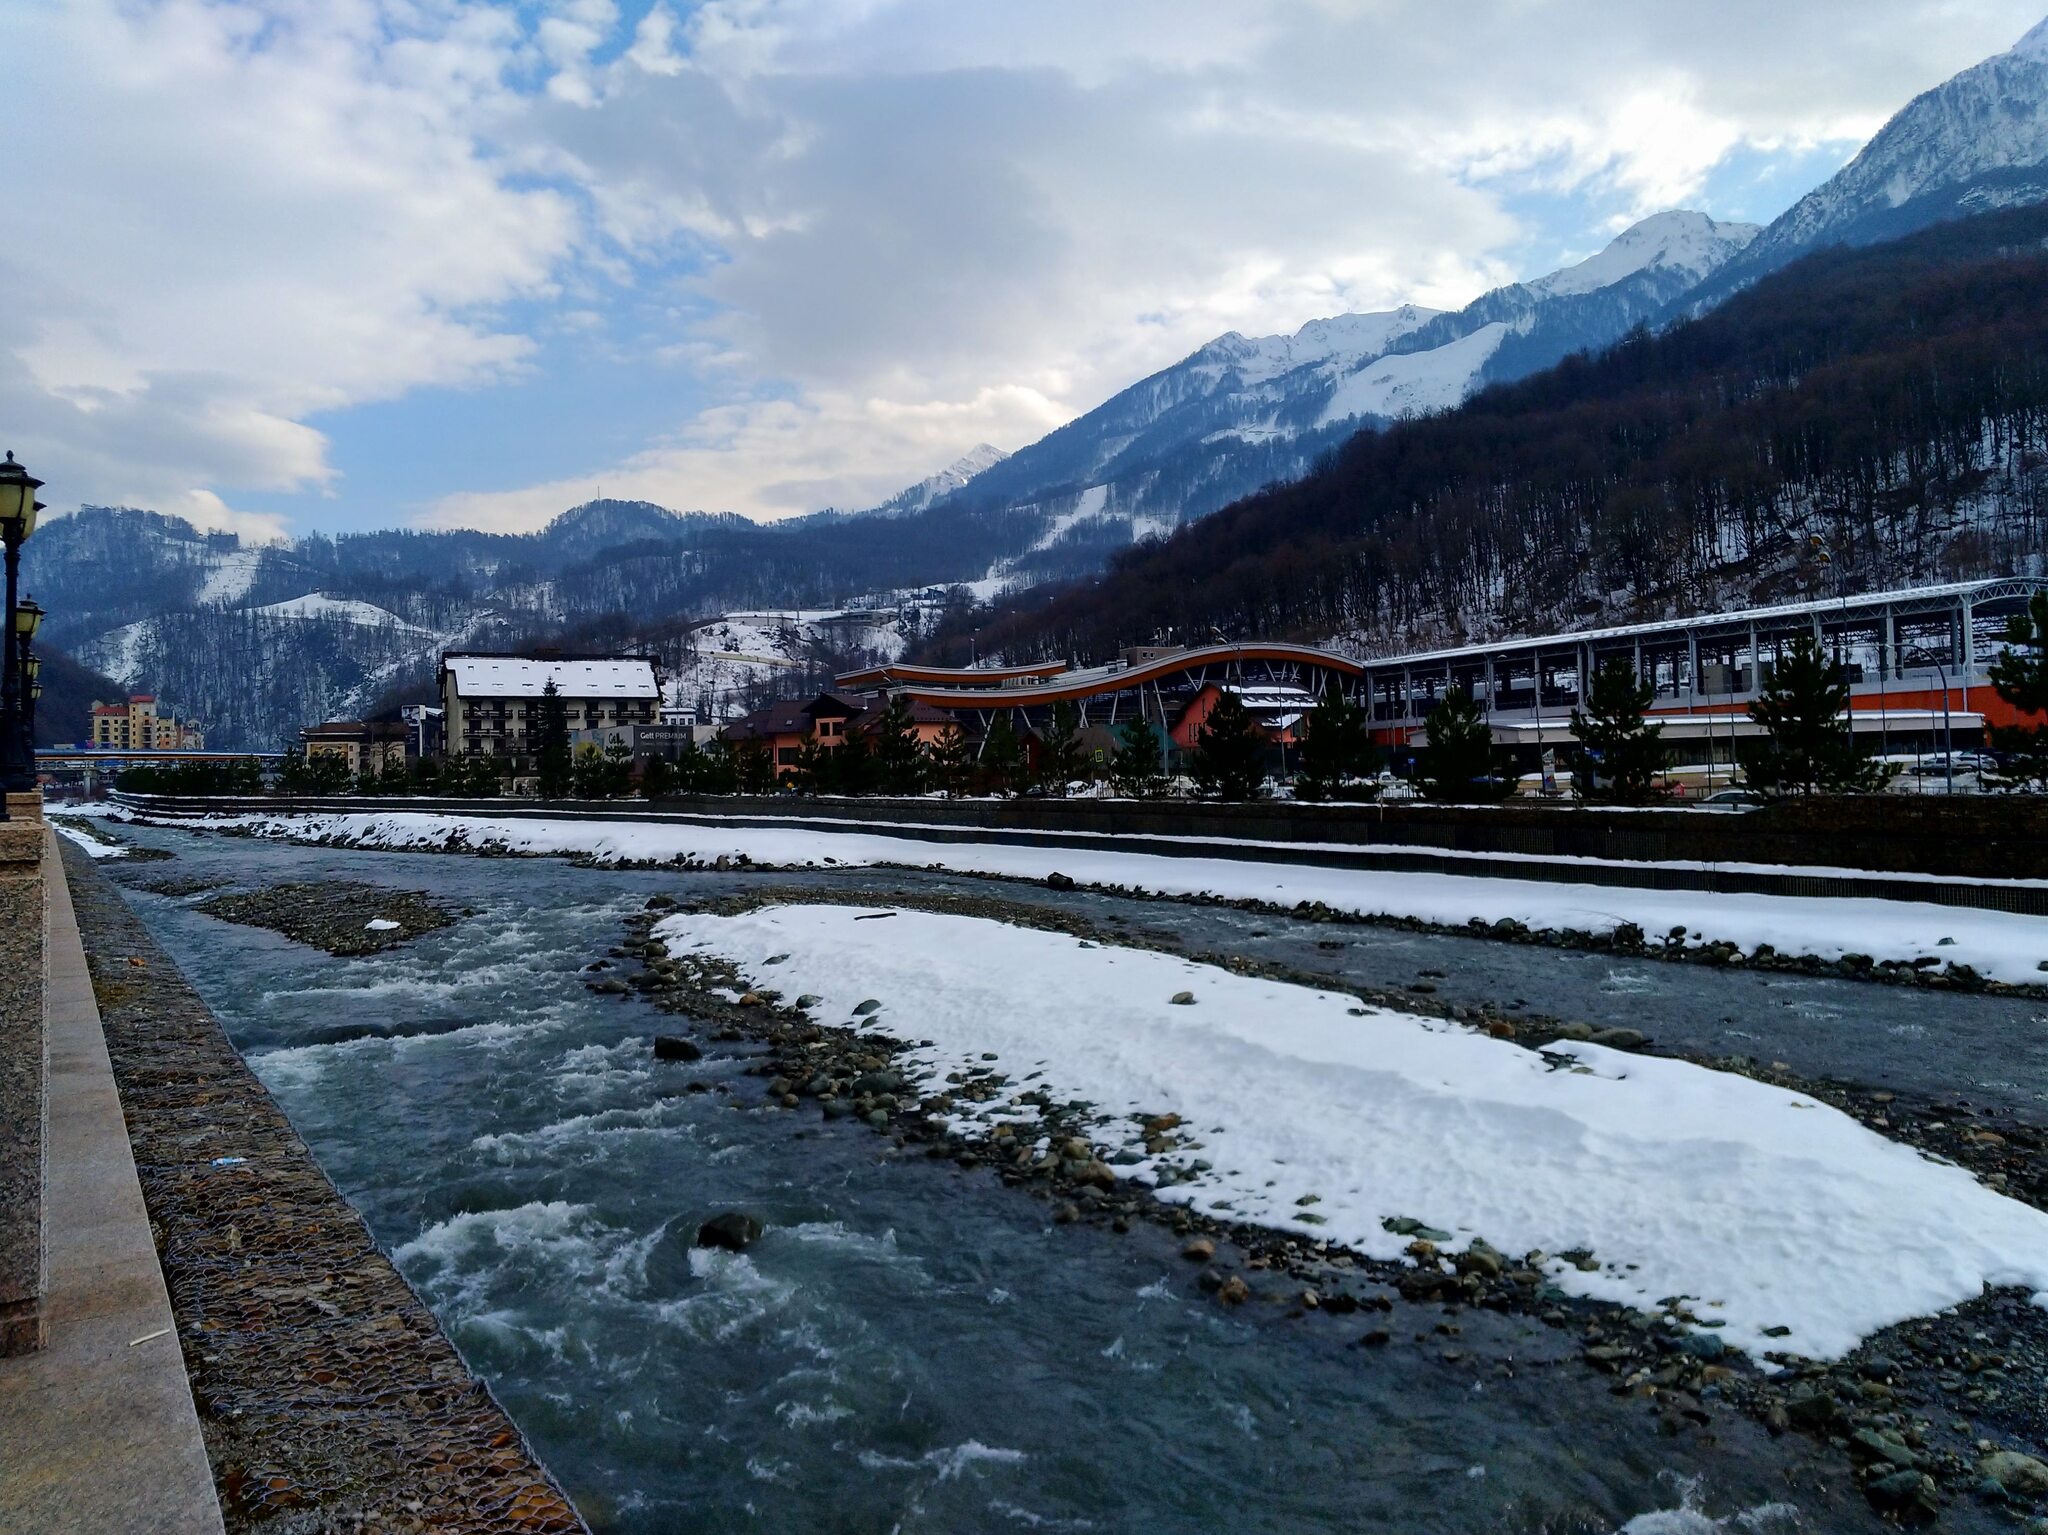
x: 1345, y: 339
x: 2035, y: 44
x: 917, y: 497
x: 1688, y: 243
x: 981, y: 456
x: 1986, y: 126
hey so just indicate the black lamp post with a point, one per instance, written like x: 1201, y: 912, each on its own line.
x: 18, y: 508
x: 32, y: 669
x: 28, y: 617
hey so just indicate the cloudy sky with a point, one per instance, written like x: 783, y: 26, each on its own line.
x: 352, y: 263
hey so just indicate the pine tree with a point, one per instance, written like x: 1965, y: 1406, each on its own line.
x: 1230, y: 753
x: 753, y: 769
x: 811, y: 773
x: 1461, y: 764
x: 1620, y: 754
x: 851, y: 767
x: 1059, y: 748
x: 586, y: 771
x: 950, y: 760
x: 556, y: 764
x: 1810, y: 749
x: 717, y: 772
x: 2020, y: 677
x: 1002, y: 756
x: 1135, y: 770
x: 899, y: 763
x: 327, y: 773
x: 615, y: 778
x: 658, y: 776
x: 1336, y: 750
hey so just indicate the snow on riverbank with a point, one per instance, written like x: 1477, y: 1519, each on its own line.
x: 83, y: 838
x: 2001, y: 946
x: 1770, y: 1210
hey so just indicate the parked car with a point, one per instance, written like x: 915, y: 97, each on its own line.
x: 1731, y: 800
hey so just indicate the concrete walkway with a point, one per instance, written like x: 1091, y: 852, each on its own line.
x: 98, y: 1434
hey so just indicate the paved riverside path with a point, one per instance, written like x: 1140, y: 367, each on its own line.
x: 97, y: 1430
x: 328, y: 1395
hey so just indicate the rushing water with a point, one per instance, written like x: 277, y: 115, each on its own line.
x: 910, y: 1346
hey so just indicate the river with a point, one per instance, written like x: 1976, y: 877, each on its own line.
x: 911, y: 1346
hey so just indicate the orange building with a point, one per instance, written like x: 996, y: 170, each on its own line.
x: 786, y: 727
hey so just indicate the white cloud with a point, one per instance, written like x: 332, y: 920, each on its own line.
x: 223, y: 222
x: 870, y: 232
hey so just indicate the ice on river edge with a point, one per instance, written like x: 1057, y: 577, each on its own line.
x: 1999, y: 945
x: 1764, y: 1208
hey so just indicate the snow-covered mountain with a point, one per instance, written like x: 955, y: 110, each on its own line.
x: 1245, y: 411
x: 1976, y: 142
x: 954, y: 476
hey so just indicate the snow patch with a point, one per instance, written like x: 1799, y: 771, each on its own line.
x: 1766, y: 1209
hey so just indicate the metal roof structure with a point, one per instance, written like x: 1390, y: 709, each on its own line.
x: 500, y: 676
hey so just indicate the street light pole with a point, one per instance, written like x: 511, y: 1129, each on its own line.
x: 18, y: 508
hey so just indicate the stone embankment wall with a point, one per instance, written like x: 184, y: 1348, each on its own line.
x: 1977, y: 836
x: 22, y: 1053
x: 1977, y: 852
x: 327, y: 1393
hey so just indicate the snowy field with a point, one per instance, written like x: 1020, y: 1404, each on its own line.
x: 1999, y: 945
x: 1765, y: 1209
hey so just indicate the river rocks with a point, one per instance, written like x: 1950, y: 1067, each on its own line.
x: 340, y: 916
x: 867, y: 1008
x: 732, y: 1230
x: 1182, y: 999
x: 1702, y: 1345
x: 1058, y: 881
x: 1408, y: 1226
x: 673, y: 1047
x: 1200, y: 1250
x: 1234, y: 1291
x: 1480, y: 1258
x: 1619, y: 1039
x: 1910, y: 1493
x: 2015, y: 1474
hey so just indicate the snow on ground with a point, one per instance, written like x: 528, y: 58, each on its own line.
x: 736, y: 652
x: 1764, y: 1207
x: 229, y: 576
x: 83, y: 837
x: 1416, y: 383
x: 2002, y: 946
x: 347, y: 610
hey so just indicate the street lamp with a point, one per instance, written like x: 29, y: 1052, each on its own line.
x: 32, y: 672
x: 28, y: 617
x: 18, y: 508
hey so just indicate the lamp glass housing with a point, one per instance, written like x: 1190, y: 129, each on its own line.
x: 17, y: 499
x: 28, y: 617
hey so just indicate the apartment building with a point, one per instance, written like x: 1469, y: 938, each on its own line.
x: 491, y: 701
x: 138, y: 725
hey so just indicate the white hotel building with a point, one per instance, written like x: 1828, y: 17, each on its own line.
x: 492, y: 701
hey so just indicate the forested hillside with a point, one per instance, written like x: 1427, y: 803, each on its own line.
x: 1891, y: 402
